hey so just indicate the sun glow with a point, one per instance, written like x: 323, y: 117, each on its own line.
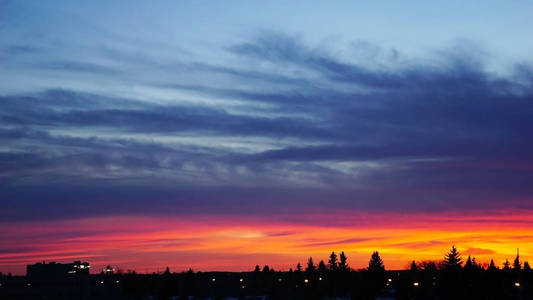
x: 239, y: 243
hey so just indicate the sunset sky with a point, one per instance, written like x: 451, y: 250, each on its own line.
x: 221, y: 135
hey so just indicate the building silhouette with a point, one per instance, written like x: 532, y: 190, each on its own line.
x: 57, y: 271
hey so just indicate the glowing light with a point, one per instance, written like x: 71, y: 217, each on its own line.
x: 517, y: 284
x: 242, y: 287
x: 320, y: 278
x: 214, y: 279
x: 29, y: 284
x: 416, y: 283
x: 390, y: 279
x: 404, y: 242
x: 102, y: 281
x: 117, y: 281
x: 306, y: 280
x: 241, y: 280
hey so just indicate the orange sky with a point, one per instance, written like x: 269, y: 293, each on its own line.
x: 149, y: 243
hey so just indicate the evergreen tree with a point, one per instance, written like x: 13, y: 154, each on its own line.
x: 310, y: 266
x: 468, y: 264
x: 266, y: 269
x: 453, y: 260
x: 332, y: 263
x: 506, y: 265
x: 343, y: 265
x: 322, y: 267
x: 517, y: 265
x: 376, y: 264
x: 492, y: 266
x: 527, y: 268
x: 167, y: 271
x: 299, y: 268
x: 413, y: 267
x: 257, y: 269
x: 475, y: 265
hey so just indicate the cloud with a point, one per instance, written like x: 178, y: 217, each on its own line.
x: 285, y: 125
x: 478, y: 251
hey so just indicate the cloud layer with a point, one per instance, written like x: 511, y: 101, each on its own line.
x: 298, y: 128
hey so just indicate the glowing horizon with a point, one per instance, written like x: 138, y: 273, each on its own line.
x: 148, y: 244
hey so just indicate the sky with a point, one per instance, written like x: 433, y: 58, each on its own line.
x: 221, y: 135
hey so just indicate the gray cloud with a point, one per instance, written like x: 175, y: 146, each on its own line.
x: 410, y: 137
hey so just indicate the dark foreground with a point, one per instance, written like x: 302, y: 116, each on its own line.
x: 411, y: 284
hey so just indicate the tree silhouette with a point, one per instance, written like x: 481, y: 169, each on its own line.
x: 526, y: 266
x: 517, y: 265
x: 257, y: 269
x: 310, y: 266
x: 299, y: 268
x: 322, y: 267
x: 266, y: 269
x: 376, y: 264
x: 343, y: 265
x: 468, y: 265
x: 453, y: 260
x: 475, y: 265
x: 506, y: 265
x: 492, y: 266
x: 332, y: 262
x: 413, y: 267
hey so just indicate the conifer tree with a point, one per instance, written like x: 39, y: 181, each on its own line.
x: 517, y: 265
x: 376, y: 264
x: 506, y: 265
x: 527, y: 268
x: 322, y: 267
x: 310, y: 266
x: 343, y: 265
x: 492, y: 266
x: 332, y: 263
x: 413, y: 267
x: 468, y: 264
x: 299, y: 268
x: 453, y: 260
x: 475, y: 264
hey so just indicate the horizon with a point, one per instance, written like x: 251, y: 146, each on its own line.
x: 220, y: 136
x: 408, y: 265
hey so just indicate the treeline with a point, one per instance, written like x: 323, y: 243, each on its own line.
x: 451, y: 278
